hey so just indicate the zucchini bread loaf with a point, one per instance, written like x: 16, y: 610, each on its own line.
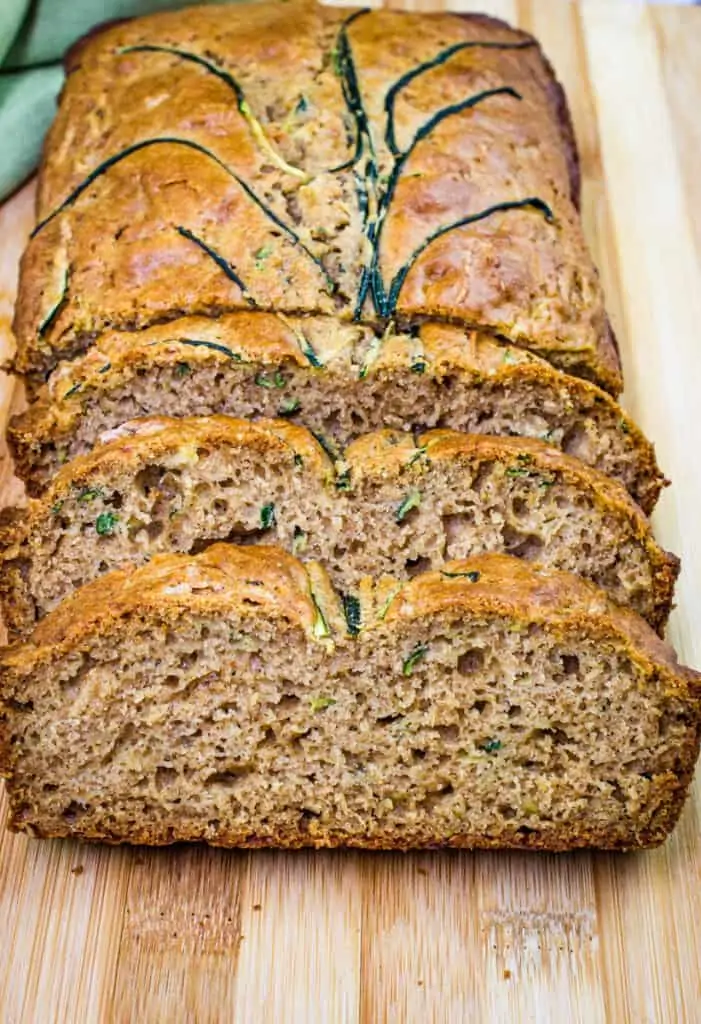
x: 219, y: 697
x: 392, y: 505
x: 316, y: 278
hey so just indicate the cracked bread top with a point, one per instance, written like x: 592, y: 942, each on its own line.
x: 306, y: 159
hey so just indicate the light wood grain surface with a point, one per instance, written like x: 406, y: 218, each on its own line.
x: 197, y: 935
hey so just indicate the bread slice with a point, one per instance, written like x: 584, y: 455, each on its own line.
x: 394, y: 506
x: 338, y: 380
x: 219, y: 698
x: 427, y: 170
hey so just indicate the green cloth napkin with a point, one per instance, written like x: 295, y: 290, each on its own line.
x: 34, y: 35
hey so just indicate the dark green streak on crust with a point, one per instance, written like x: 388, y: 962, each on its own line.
x: 224, y: 76
x: 116, y: 158
x: 455, y: 108
x: 309, y: 353
x: 435, y: 62
x: 215, y: 347
x: 195, y: 58
x: 57, y: 307
x: 400, y: 277
x: 365, y: 177
x: 374, y: 274
x: 220, y: 262
x: 350, y: 88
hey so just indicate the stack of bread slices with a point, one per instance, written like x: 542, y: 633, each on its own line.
x: 336, y: 533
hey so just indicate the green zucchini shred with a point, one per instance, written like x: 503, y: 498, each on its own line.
x: 418, y: 454
x: 105, y: 523
x: 261, y: 256
x: 386, y: 606
x: 409, y: 664
x: 56, y: 308
x: 328, y: 446
x: 321, y: 626
x: 299, y: 541
x: 289, y: 407
x: 370, y: 356
x: 222, y: 263
x: 321, y: 703
x: 351, y: 610
x: 267, y: 516
x: 473, y: 576
x: 264, y: 381
x: 213, y: 345
x: 491, y: 746
x: 412, y: 500
x: 90, y: 494
x: 309, y: 353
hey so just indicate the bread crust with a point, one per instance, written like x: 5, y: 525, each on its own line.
x: 222, y: 577
x: 225, y: 579
x: 128, y: 283
x: 268, y: 341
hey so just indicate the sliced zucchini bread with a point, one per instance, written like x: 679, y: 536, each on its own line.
x: 392, y: 505
x: 219, y: 697
x: 340, y: 380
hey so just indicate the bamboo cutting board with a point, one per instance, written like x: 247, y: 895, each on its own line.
x: 197, y: 935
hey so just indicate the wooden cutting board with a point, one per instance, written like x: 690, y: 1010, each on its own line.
x: 197, y: 935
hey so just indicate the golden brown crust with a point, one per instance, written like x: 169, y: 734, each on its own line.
x: 137, y: 442
x: 499, y: 585
x: 270, y: 341
x: 223, y: 577
x: 270, y: 152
